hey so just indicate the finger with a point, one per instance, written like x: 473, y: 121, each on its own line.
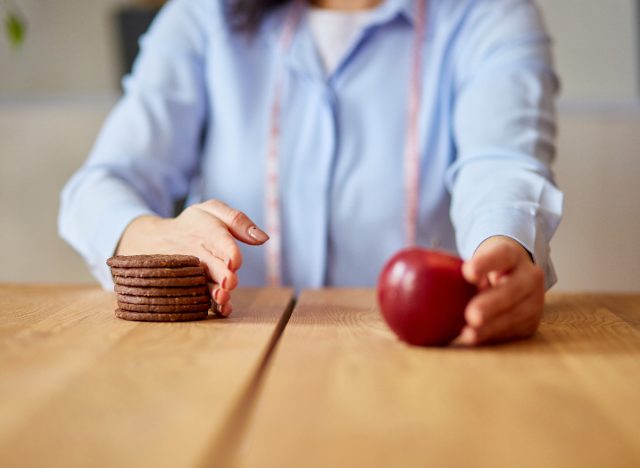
x: 217, y: 271
x: 520, y: 322
x: 218, y: 241
x: 498, y: 330
x: 483, y: 284
x: 236, y: 221
x: 493, y: 256
x: 220, y: 296
x: 509, y: 291
x: 467, y: 337
x: 224, y: 310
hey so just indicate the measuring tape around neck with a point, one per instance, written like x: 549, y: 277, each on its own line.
x: 411, y: 144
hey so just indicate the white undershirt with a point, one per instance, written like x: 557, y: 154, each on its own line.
x: 334, y: 31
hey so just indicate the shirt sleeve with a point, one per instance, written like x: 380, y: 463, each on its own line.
x: 504, y: 129
x: 148, y: 150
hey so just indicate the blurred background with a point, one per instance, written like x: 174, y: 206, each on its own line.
x: 56, y: 89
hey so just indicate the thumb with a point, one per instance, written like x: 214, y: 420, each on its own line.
x: 493, y: 255
x: 238, y: 223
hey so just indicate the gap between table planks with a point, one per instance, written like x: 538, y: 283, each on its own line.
x: 343, y: 392
x: 81, y: 388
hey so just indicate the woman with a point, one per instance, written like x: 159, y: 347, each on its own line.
x: 347, y: 129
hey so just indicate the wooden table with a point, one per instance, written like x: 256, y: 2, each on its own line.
x: 328, y: 387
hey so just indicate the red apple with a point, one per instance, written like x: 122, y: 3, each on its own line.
x: 423, y: 295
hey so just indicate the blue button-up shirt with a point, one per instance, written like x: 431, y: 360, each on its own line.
x: 195, y: 118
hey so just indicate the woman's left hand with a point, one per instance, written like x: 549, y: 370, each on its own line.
x: 510, y: 300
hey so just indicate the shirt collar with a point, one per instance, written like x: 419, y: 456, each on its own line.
x: 386, y: 11
x: 393, y: 8
x: 301, y: 54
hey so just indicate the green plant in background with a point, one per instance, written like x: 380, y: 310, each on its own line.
x: 14, y: 25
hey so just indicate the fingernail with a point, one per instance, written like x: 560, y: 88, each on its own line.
x: 468, y: 336
x: 224, y: 282
x: 257, y: 234
x: 225, y: 310
x: 467, y: 271
x: 475, y: 317
x: 216, y: 295
x: 228, y: 264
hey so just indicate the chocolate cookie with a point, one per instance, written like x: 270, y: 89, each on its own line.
x: 153, y: 261
x: 161, y: 292
x: 181, y: 300
x: 164, y: 309
x: 154, y: 317
x: 178, y: 272
x: 161, y: 282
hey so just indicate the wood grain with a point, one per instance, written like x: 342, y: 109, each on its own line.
x: 80, y: 388
x: 343, y: 392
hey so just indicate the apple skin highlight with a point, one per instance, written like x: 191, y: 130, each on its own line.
x: 422, y: 296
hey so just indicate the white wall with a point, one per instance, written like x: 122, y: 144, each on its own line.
x: 595, y: 48
x: 597, y: 247
x: 42, y: 142
x: 70, y: 48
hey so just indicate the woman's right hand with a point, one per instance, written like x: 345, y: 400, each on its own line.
x: 208, y: 230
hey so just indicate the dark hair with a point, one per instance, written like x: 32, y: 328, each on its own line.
x: 246, y: 15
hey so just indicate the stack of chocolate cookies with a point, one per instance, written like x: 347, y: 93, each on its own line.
x: 160, y: 288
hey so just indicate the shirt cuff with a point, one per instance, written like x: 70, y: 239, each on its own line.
x: 107, y: 236
x: 520, y: 225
